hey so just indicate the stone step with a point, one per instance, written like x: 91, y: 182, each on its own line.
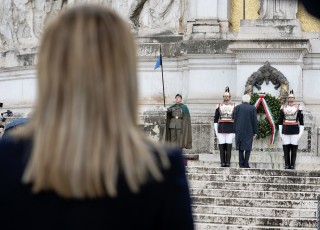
x: 258, y: 158
x: 256, y: 221
x: 279, y: 195
x: 252, y: 171
x: 252, y: 165
x: 254, y: 211
x: 254, y: 178
x: 248, y: 202
x: 263, y: 156
x: 216, y: 226
x: 268, y: 160
x: 253, y: 186
x: 258, y: 165
x: 234, y: 198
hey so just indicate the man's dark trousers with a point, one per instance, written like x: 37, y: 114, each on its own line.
x: 244, y: 160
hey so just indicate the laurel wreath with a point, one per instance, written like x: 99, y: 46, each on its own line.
x: 263, y: 124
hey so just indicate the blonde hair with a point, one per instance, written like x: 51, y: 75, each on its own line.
x: 84, y: 127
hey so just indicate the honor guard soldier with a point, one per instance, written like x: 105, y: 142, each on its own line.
x: 223, y: 126
x: 291, y: 127
x: 178, y: 124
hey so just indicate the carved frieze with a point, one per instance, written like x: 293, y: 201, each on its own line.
x: 286, y: 55
x: 258, y: 51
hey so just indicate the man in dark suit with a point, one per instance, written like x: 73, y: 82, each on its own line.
x: 246, y: 129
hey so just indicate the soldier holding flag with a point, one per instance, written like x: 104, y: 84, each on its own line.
x: 178, y: 124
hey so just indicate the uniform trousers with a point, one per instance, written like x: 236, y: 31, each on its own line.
x: 175, y: 136
x: 225, y: 138
x: 290, y: 139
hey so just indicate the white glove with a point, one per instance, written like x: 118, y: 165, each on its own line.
x: 280, y: 131
x: 215, y: 125
x: 233, y: 135
x: 165, y: 109
x: 301, y: 129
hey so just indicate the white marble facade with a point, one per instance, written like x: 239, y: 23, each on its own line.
x: 201, y: 56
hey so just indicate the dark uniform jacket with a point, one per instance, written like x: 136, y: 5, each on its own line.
x: 291, y: 117
x: 159, y: 205
x: 225, y: 121
x: 246, y: 125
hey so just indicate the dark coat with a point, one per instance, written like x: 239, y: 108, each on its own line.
x: 245, y: 125
x: 186, y: 139
x: 158, y: 205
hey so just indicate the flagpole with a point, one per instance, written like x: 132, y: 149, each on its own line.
x: 244, y: 9
x: 164, y: 97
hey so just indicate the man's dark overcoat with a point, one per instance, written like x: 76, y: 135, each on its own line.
x: 245, y: 125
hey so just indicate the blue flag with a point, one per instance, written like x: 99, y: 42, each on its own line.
x: 159, y: 62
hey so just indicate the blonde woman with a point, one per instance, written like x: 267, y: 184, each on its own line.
x: 81, y: 162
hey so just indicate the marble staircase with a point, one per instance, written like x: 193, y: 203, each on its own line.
x: 262, y: 160
x: 234, y: 198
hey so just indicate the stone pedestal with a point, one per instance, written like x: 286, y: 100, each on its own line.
x: 203, y: 28
x: 270, y: 29
x: 208, y: 19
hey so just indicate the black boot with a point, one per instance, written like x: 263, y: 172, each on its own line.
x: 222, y: 155
x: 286, y: 156
x: 294, y: 149
x: 228, y: 154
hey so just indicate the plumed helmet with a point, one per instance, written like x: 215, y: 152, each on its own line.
x: 227, y: 92
x: 291, y: 94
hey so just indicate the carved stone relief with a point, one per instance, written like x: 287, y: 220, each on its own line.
x: 278, y: 9
x: 157, y: 16
x: 21, y: 21
x: 102, y: 2
x: 267, y: 74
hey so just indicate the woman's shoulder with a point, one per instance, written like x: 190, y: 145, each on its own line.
x: 11, y: 144
x: 174, y: 154
x: 177, y: 164
x: 13, y: 152
x: 169, y: 158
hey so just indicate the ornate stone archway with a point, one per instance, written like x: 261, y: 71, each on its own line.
x: 267, y: 73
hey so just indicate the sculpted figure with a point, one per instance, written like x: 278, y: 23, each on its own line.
x: 278, y: 9
x: 21, y: 21
x: 5, y: 23
x: 155, y: 16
